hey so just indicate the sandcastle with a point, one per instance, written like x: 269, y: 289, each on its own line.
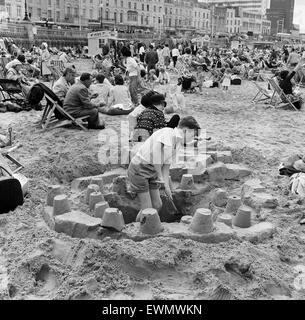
x: 103, y: 205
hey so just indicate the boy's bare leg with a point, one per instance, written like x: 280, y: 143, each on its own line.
x: 156, y: 199
x: 145, y: 200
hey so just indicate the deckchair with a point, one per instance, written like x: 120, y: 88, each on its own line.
x: 278, y: 91
x: 11, y: 90
x: 54, y: 115
x: 262, y: 94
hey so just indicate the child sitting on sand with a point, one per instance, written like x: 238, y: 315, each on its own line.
x: 163, y: 76
x: 119, y: 100
x: 152, y: 79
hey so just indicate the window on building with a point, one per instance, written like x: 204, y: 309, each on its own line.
x: 91, y: 14
x: 57, y: 3
x: 115, y: 17
x: 121, y: 17
x: 57, y: 15
x: 50, y: 14
x: 50, y: 3
x: 76, y: 12
x: 9, y: 9
x: 39, y: 13
x: 18, y: 11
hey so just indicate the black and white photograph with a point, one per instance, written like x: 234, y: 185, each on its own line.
x: 152, y: 154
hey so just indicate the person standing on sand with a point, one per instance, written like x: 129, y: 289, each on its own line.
x: 149, y: 168
x: 151, y: 58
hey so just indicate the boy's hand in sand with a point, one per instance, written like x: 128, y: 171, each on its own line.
x: 168, y: 191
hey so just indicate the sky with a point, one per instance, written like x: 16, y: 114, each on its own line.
x: 299, y: 14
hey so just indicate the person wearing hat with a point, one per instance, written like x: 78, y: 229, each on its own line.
x: 14, y: 73
x: 20, y: 58
x: 149, y: 168
x: 152, y: 118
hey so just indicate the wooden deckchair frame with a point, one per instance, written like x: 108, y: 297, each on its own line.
x: 262, y: 94
x: 49, y: 119
x: 281, y: 94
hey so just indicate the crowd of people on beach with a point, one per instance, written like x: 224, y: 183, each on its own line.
x: 138, y: 81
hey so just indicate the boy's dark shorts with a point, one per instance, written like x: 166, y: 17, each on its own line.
x: 142, y: 178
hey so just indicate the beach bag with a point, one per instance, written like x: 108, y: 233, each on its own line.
x: 11, y: 195
x: 236, y: 82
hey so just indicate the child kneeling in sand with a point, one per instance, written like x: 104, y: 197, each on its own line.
x: 149, y: 168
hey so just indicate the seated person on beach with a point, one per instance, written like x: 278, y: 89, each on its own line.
x: 14, y: 73
x: 102, y: 89
x: 149, y: 168
x: 152, y: 79
x: 152, y: 118
x: 78, y: 104
x: 287, y: 86
x: 119, y: 102
x: 163, y: 76
x: 64, y: 83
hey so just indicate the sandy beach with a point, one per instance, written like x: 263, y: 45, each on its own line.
x: 37, y: 263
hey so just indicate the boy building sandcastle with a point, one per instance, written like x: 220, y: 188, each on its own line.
x: 149, y: 168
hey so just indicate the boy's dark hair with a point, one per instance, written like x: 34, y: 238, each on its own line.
x: 126, y: 52
x: 85, y: 76
x: 118, y: 80
x: 189, y: 123
x: 100, y: 78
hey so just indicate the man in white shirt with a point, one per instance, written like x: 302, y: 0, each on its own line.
x: 175, y: 55
x: 133, y: 72
x: 166, y: 55
x: 150, y: 166
x: 63, y: 84
x: 142, y: 53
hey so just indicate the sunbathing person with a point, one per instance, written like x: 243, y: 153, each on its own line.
x: 63, y: 84
x: 119, y: 102
x: 152, y: 118
x: 102, y: 89
x: 287, y: 86
x: 78, y: 104
x: 14, y: 73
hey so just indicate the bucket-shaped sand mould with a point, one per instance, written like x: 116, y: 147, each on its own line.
x: 113, y: 218
x: 95, y: 197
x: 53, y: 191
x: 61, y: 205
x: 150, y: 222
x: 243, y: 218
x: 97, y: 181
x: 91, y: 188
x: 226, y: 219
x: 187, y: 182
x: 220, y: 198
x: 202, y: 221
x: 233, y: 205
x: 100, y: 209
